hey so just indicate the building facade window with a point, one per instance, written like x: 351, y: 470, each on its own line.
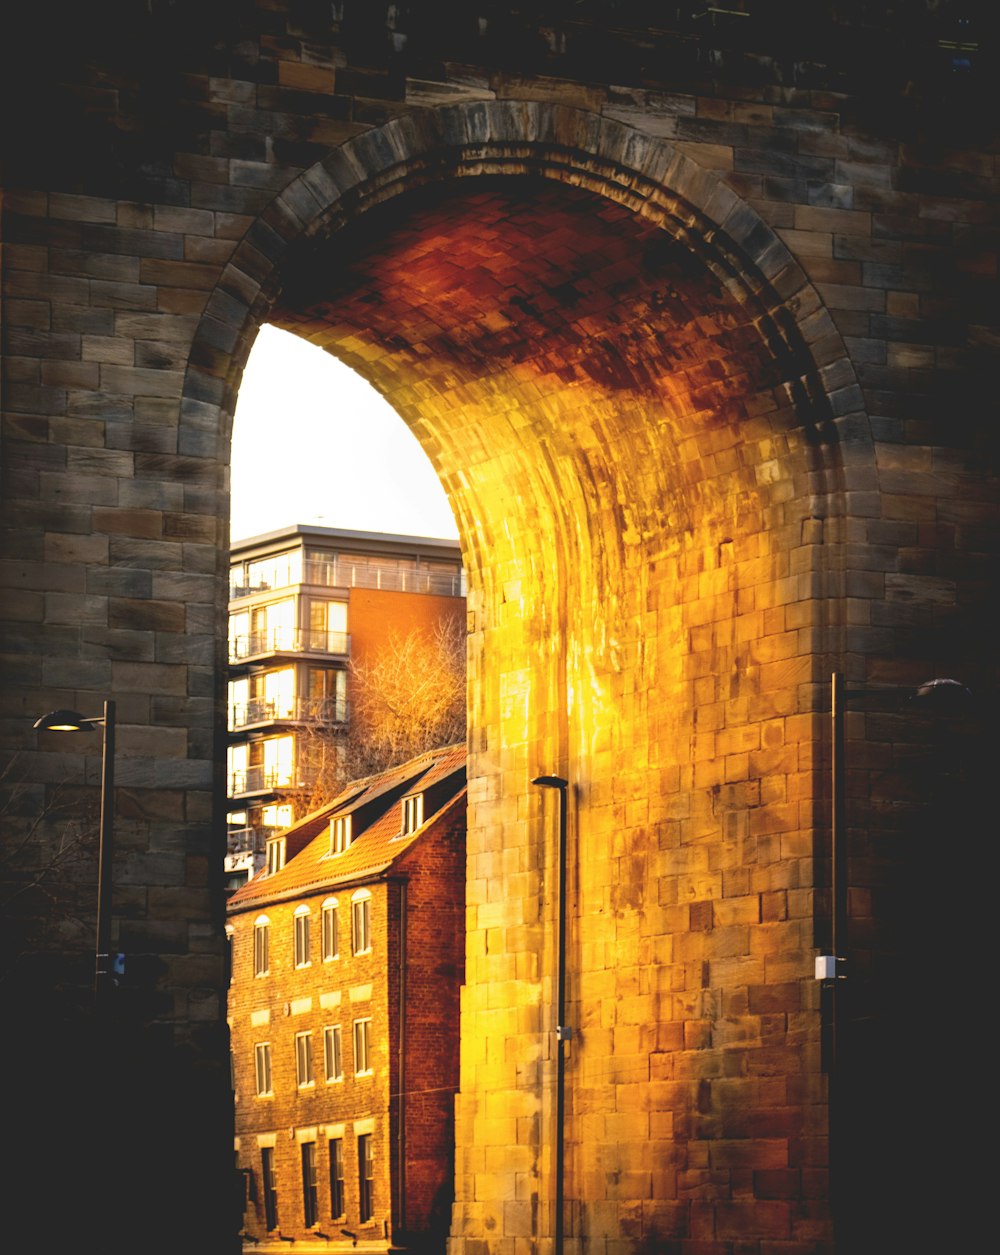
x: 366, y: 1178
x: 361, y: 922
x: 261, y: 946
x: 301, y: 929
x: 262, y: 1064
x: 310, y: 1200
x: 303, y: 1060
x: 333, y: 1053
x: 337, y: 1208
x: 362, y: 1047
x: 413, y: 812
x: 270, y: 1185
x: 331, y: 930
x: 275, y: 855
x: 278, y: 815
x: 340, y: 834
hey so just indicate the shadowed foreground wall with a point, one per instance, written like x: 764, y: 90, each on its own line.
x: 701, y: 355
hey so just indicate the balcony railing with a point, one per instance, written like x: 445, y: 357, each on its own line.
x: 288, y: 641
x: 247, y: 840
x: 397, y: 575
x: 268, y: 779
x: 323, y: 710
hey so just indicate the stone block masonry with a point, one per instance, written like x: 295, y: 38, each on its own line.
x: 700, y: 339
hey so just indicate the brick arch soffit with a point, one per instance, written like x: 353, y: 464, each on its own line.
x: 570, y: 145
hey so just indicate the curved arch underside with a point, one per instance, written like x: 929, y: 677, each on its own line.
x: 592, y: 394
x: 640, y: 470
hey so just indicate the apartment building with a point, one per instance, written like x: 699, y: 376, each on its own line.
x: 347, y: 963
x: 304, y: 601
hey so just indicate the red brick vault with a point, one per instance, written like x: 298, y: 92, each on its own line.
x: 646, y: 424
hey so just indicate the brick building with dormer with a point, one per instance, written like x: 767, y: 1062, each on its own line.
x: 347, y: 961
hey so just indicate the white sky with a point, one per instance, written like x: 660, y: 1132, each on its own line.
x: 314, y: 443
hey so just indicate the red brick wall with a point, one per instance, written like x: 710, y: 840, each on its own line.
x: 435, y: 967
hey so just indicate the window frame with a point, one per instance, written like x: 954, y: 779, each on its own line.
x: 363, y: 1046
x: 361, y: 925
x: 366, y: 1177
x: 276, y: 849
x: 338, y: 1194
x: 413, y: 812
x: 262, y: 1069
x: 330, y: 930
x: 301, y: 937
x: 333, y: 1053
x: 341, y: 834
x: 305, y: 1076
x: 310, y: 1190
x: 269, y: 1182
x: 261, y: 946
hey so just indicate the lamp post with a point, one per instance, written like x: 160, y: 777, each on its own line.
x: 563, y: 1033
x: 71, y: 721
x: 937, y: 696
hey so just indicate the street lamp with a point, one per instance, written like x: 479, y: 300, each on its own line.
x: 563, y: 1033
x: 71, y: 721
x: 937, y: 697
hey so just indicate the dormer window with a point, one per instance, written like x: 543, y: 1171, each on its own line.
x: 340, y: 834
x: 413, y: 812
x: 275, y: 855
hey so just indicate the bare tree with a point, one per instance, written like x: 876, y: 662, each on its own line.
x: 406, y: 698
x: 48, y: 866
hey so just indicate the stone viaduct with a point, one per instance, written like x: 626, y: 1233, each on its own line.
x: 695, y: 312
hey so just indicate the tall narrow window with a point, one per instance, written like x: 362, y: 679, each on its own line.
x: 366, y: 1177
x: 275, y: 855
x: 340, y: 834
x: 301, y: 936
x: 331, y: 938
x: 361, y: 922
x: 362, y: 1047
x: 336, y: 1178
x: 309, y: 1194
x: 261, y: 935
x: 413, y: 812
x: 262, y: 1063
x: 270, y: 1187
x: 303, y: 1060
x: 333, y: 1053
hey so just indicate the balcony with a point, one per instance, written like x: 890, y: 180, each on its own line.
x: 247, y: 840
x: 288, y: 641
x: 391, y: 574
x: 260, y: 780
x: 262, y: 710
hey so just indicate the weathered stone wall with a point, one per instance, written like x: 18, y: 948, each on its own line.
x: 699, y: 338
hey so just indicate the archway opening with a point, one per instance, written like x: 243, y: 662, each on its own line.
x: 636, y: 450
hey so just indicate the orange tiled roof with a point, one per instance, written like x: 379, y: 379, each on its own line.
x: 373, y: 851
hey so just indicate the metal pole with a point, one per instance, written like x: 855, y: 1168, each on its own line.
x: 102, y: 966
x: 838, y: 847
x: 561, y: 1031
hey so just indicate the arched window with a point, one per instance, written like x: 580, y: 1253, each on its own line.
x: 331, y: 930
x: 301, y: 936
x: 261, y: 946
x: 361, y: 941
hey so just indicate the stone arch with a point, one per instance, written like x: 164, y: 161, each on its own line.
x: 662, y: 593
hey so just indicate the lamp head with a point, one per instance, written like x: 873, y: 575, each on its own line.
x: 550, y: 782
x: 65, y: 721
x: 943, y: 695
